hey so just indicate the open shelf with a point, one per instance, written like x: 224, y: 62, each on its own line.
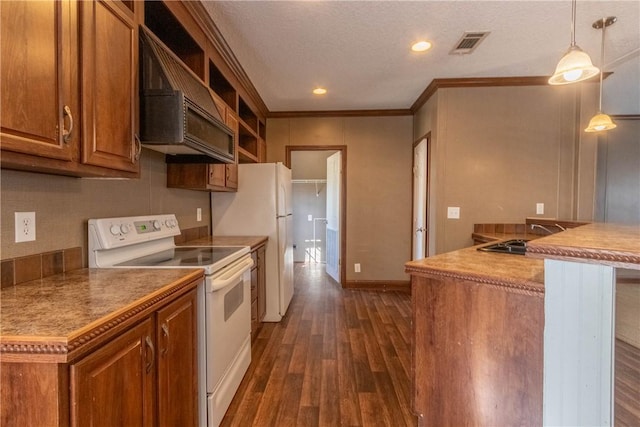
x: 221, y: 86
x: 248, y: 116
x: 247, y: 140
x: 262, y: 129
x: 159, y: 19
x: 245, y: 157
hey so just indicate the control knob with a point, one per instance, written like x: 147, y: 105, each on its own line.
x: 124, y: 228
x: 156, y: 225
x: 114, y: 229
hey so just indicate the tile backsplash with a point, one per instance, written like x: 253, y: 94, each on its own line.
x: 32, y: 267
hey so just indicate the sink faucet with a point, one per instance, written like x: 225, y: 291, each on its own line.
x: 560, y: 227
x: 534, y: 226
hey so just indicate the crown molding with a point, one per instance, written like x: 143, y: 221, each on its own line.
x: 469, y: 82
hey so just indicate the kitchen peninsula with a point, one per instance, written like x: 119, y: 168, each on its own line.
x: 478, y: 332
x: 502, y: 339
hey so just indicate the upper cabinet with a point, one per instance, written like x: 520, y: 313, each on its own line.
x: 37, y: 96
x: 109, y: 85
x: 69, y: 87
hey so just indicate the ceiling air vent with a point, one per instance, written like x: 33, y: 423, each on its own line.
x: 468, y: 42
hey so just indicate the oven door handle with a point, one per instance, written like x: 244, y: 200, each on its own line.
x: 231, y: 275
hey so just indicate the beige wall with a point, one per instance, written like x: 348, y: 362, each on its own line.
x: 497, y: 151
x: 378, y: 185
x: 63, y: 204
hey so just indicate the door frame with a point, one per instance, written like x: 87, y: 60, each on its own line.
x: 427, y: 138
x: 343, y: 196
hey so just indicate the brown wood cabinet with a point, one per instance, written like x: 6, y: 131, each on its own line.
x: 146, y: 375
x: 69, y: 87
x: 115, y: 385
x: 477, y: 352
x: 109, y: 85
x: 177, y: 349
x: 258, y: 289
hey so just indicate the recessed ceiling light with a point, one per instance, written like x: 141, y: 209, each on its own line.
x: 421, y: 46
x: 319, y: 91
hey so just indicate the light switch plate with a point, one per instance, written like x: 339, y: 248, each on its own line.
x: 539, y: 208
x: 453, y: 212
x: 25, y: 226
x: 309, y: 217
x: 198, y: 214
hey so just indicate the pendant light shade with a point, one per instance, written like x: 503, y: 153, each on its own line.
x: 575, y: 66
x: 601, y: 121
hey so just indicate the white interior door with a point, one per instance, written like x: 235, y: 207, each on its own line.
x: 334, y: 179
x: 419, y: 200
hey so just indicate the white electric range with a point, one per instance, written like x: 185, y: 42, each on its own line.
x: 224, y: 298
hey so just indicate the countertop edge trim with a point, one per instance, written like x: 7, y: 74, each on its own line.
x: 63, y: 348
x: 585, y: 255
x: 515, y: 286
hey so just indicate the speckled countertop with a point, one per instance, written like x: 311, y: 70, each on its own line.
x: 469, y: 264
x: 252, y: 241
x: 58, y: 314
x: 609, y: 244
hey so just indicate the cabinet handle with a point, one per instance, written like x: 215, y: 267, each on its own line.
x: 66, y: 134
x: 138, y: 145
x: 165, y: 333
x: 153, y: 353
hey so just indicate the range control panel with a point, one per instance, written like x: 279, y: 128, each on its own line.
x: 108, y: 233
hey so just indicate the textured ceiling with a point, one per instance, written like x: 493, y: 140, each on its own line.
x: 359, y: 50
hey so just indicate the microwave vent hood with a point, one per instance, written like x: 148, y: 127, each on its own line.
x: 177, y: 113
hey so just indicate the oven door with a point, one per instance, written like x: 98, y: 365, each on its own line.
x: 228, y: 334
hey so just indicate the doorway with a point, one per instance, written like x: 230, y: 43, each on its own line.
x: 319, y: 206
x: 420, y: 203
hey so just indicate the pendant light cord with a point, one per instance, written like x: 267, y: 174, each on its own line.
x: 573, y: 23
x: 604, y: 28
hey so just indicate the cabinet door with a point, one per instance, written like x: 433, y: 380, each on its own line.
x: 231, y: 178
x: 109, y: 85
x: 36, y: 62
x: 178, y: 363
x: 217, y: 174
x: 114, y: 385
x: 262, y: 284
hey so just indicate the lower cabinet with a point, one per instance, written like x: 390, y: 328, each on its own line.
x: 145, y: 375
x: 177, y: 358
x: 258, y: 290
x: 115, y: 385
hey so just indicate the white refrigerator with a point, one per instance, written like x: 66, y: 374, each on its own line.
x: 262, y: 207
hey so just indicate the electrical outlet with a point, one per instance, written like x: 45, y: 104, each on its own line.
x: 198, y: 214
x: 453, y: 212
x: 356, y: 267
x: 309, y: 217
x: 25, y: 226
x: 539, y: 208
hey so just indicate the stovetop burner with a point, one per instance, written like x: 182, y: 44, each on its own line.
x: 183, y: 256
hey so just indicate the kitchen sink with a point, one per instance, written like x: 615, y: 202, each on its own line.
x: 515, y: 246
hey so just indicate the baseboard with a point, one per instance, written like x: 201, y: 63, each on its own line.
x: 379, y: 285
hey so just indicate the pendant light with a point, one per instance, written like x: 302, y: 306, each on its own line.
x: 575, y: 66
x: 601, y: 121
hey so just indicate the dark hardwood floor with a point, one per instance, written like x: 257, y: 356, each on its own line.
x: 339, y: 357
x: 627, y: 389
